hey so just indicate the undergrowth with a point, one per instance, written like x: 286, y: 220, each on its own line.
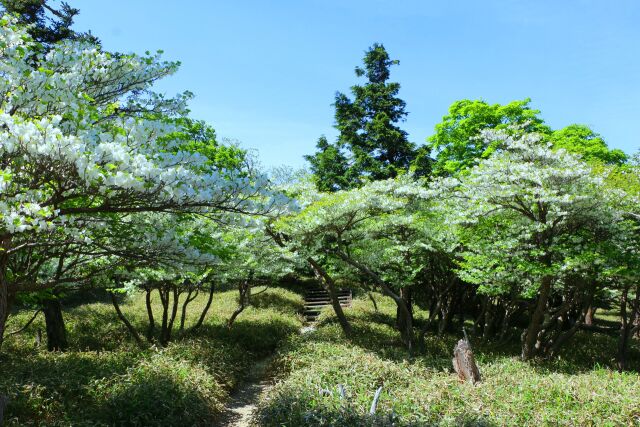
x: 579, y: 388
x: 106, y: 379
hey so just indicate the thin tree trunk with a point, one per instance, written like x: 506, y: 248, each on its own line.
x: 373, y: 300
x: 405, y: 294
x: 635, y: 316
x: 26, y: 324
x: 152, y: 323
x: 55, y: 327
x: 244, y: 290
x: 566, y: 335
x: 590, y: 316
x: 164, y: 299
x: 5, y: 242
x: 407, y: 333
x: 446, y: 315
x: 324, y: 279
x: 174, y: 311
x: 330, y: 286
x: 126, y: 322
x: 187, y: 301
x: 205, y: 310
x: 623, y: 338
x: 535, y: 323
x: 489, y: 320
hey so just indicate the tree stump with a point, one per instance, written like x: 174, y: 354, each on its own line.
x: 464, y: 363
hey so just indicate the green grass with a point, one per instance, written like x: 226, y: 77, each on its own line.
x: 105, y: 379
x: 579, y: 388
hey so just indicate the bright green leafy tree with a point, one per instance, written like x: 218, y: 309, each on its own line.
x: 457, y: 142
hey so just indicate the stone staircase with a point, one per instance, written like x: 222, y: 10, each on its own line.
x: 317, y: 298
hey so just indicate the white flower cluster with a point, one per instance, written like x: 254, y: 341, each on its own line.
x: 63, y: 144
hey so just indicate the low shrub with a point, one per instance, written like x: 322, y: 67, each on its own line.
x: 579, y: 388
x: 106, y: 379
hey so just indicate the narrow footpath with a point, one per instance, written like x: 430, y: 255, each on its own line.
x: 243, y: 401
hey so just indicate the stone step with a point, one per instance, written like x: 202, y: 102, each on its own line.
x: 327, y: 296
x: 323, y: 303
x: 324, y: 300
x: 322, y: 291
x: 318, y: 299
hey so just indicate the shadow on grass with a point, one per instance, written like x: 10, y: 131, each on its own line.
x: 259, y: 337
x: 48, y: 387
x: 278, y: 302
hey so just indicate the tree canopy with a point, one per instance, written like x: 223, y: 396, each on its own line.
x: 371, y: 145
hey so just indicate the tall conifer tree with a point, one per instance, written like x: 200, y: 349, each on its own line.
x: 371, y: 145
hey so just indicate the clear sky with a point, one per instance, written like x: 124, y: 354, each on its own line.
x: 265, y: 72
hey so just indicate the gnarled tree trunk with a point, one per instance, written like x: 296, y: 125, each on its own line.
x: 529, y: 350
x: 327, y: 281
x: 401, y: 320
x: 190, y: 297
x: 407, y: 333
x: 627, y: 325
x: 55, y: 327
x: 205, y: 310
x: 244, y: 289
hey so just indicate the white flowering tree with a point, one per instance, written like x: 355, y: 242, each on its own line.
x: 254, y: 259
x: 379, y: 232
x: 536, y: 221
x: 83, y: 136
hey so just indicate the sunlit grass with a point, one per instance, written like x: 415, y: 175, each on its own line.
x: 579, y: 388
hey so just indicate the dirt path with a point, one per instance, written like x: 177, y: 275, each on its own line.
x: 243, y: 401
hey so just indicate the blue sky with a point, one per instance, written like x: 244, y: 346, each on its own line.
x: 265, y: 72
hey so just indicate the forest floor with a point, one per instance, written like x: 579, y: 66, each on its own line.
x: 243, y: 402
x: 268, y: 368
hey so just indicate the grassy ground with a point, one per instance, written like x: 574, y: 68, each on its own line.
x: 580, y: 388
x: 105, y: 379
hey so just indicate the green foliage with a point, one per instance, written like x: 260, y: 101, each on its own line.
x: 457, y: 143
x: 581, y: 140
x: 330, y: 167
x: 49, y: 25
x: 159, y: 391
x: 376, y: 147
x: 538, y: 215
x: 196, y: 136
